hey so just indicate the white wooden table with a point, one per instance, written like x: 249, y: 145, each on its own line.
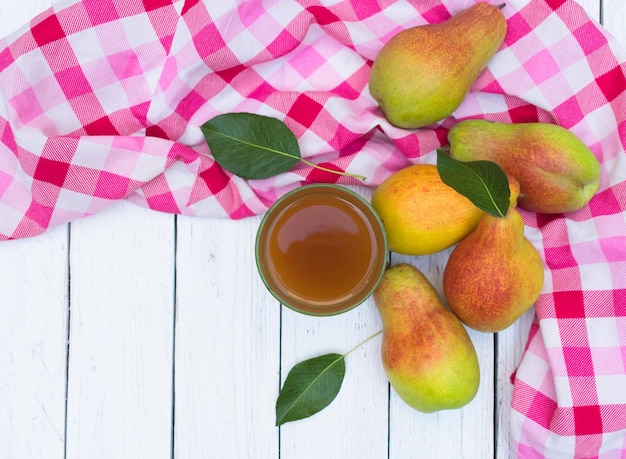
x: 134, y: 334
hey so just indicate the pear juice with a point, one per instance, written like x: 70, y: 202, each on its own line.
x: 322, y: 250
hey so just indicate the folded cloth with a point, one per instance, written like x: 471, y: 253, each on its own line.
x: 102, y: 100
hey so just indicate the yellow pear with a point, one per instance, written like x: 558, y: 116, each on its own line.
x: 495, y: 274
x: 426, y: 351
x: 421, y: 214
x: 557, y: 172
x: 423, y: 73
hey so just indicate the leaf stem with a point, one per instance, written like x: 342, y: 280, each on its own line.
x: 363, y: 342
x: 325, y: 169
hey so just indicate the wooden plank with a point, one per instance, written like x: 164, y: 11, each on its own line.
x: 464, y: 433
x: 510, y: 347
x: 614, y: 19
x: 14, y: 15
x: 591, y: 7
x: 227, y: 344
x: 121, y: 335
x: 355, y: 424
x: 33, y: 344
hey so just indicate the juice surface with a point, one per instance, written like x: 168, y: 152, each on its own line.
x: 322, y: 249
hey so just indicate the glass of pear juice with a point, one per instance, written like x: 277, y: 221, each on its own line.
x: 321, y: 249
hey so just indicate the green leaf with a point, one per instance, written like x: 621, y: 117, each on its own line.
x: 256, y: 146
x: 482, y: 182
x: 251, y: 146
x: 310, y: 387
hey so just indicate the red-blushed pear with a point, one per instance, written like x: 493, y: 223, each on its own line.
x: 423, y: 73
x: 426, y: 351
x: 557, y: 172
x: 495, y: 274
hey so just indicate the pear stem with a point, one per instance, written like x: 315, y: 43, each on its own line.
x: 363, y: 342
x: 501, y: 5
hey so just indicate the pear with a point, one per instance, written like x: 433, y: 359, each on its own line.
x: 557, y: 172
x: 495, y: 274
x: 421, y: 214
x: 426, y: 351
x: 423, y: 73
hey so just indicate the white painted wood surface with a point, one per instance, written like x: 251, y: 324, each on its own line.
x: 133, y: 334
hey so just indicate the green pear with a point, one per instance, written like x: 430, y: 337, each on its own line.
x: 556, y: 171
x: 426, y: 351
x: 423, y: 73
x: 494, y: 275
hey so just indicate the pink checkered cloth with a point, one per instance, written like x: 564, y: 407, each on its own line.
x: 101, y: 100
